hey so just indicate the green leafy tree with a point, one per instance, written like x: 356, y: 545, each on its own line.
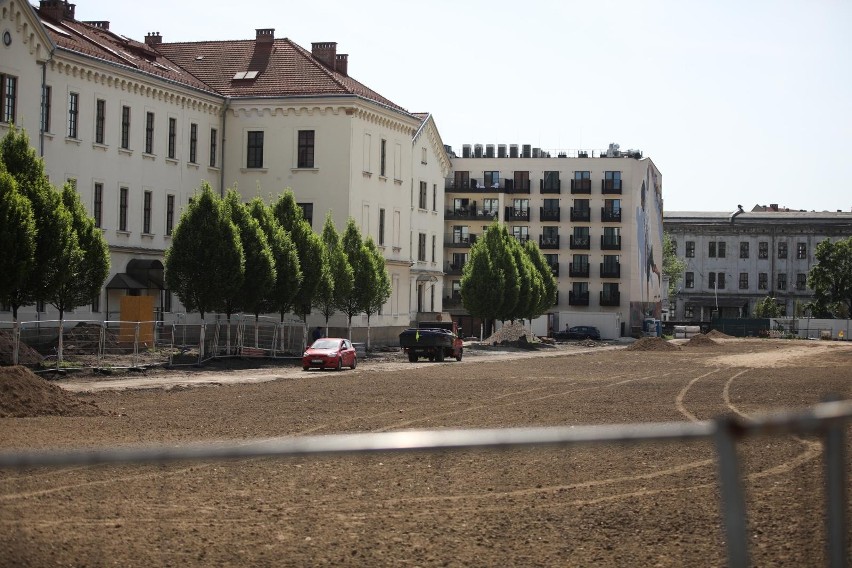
x: 376, y: 282
x: 353, y: 302
x: 767, y: 308
x: 341, y: 274
x: 529, y: 284
x: 18, y: 235
x: 489, y: 283
x: 54, y: 234
x: 673, y: 267
x: 831, y: 277
x: 547, y: 295
x: 205, y: 264
x: 288, y: 273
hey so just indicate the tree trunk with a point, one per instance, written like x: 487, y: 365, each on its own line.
x: 61, y: 330
x: 368, y: 332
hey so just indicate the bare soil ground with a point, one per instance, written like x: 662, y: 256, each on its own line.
x: 617, y: 505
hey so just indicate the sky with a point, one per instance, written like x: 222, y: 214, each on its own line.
x: 737, y: 103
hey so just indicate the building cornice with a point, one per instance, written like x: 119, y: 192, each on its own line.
x: 28, y: 25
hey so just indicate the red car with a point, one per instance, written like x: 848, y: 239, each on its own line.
x: 330, y: 353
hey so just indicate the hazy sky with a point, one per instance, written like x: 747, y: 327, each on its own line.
x: 736, y: 102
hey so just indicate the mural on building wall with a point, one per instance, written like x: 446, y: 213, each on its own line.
x: 649, y: 238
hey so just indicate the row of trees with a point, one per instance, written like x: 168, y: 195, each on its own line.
x: 52, y: 252
x: 506, y: 280
x: 268, y: 259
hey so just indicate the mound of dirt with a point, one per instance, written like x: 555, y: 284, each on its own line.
x: 700, y: 341
x: 509, y: 332
x: 26, y: 354
x: 25, y: 395
x: 653, y: 344
x: 716, y: 334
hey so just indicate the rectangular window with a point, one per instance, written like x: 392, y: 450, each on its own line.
x: 149, y: 132
x: 434, y: 247
x: 721, y: 249
x: 8, y: 98
x: 100, y: 121
x: 721, y: 278
x: 782, y: 281
x: 146, y: 212
x: 213, y: 142
x: 612, y: 181
x: 383, y: 158
x: 73, y: 114
x: 434, y: 197
x: 423, y: 156
x: 521, y: 181
x: 688, y: 312
x: 744, y: 250
x: 422, y: 201
x: 125, y: 127
x: 762, y: 281
x: 492, y: 179
x: 711, y: 280
x: 550, y: 182
x: 690, y: 249
x: 711, y: 249
x: 306, y: 149
x: 801, y: 251
x: 801, y: 281
x: 689, y: 280
x: 381, y: 227
x: 743, y: 280
x: 522, y: 233
x: 254, y: 151
x: 167, y: 301
x: 172, y: 138
x: 307, y: 212
x: 170, y: 214
x: 96, y: 303
x: 782, y: 250
x: 763, y: 249
x: 122, y: 208
x: 98, y: 206
x: 45, y: 108
x: 421, y: 247
x: 193, y: 143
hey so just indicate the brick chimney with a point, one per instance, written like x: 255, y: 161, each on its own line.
x: 773, y: 207
x: 341, y: 64
x: 325, y: 52
x: 264, y: 35
x: 153, y: 39
x: 56, y: 10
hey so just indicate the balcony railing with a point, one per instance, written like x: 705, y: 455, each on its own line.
x: 554, y: 269
x: 470, y: 214
x: 550, y: 187
x: 584, y: 243
x: 609, y: 215
x: 472, y: 186
x: 453, y: 301
x: 513, y: 214
x: 581, y: 215
x: 610, y: 270
x: 548, y: 242
x: 548, y: 214
x: 611, y: 186
x: 578, y: 298
x: 519, y: 186
x: 581, y: 186
x: 579, y: 271
x: 610, y: 242
x: 522, y: 238
x: 453, y: 268
x: 460, y: 242
x: 610, y: 299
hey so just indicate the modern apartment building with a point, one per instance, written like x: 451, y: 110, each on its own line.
x: 734, y: 259
x: 138, y: 126
x: 596, y: 216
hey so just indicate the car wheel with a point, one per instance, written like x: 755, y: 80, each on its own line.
x: 354, y: 361
x: 339, y: 364
x: 305, y: 368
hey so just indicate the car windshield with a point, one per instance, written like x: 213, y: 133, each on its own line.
x: 326, y: 344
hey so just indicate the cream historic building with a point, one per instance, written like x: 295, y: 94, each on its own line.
x: 734, y: 259
x: 596, y: 216
x: 137, y: 127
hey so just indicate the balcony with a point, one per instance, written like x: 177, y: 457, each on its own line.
x: 581, y: 215
x: 470, y: 214
x: 583, y: 243
x: 522, y: 238
x: 610, y: 215
x: 610, y: 299
x: 611, y: 270
x: 578, y: 298
x: 554, y: 269
x: 579, y: 271
x: 460, y: 241
x: 550, y: 187
x: 454, y: 269
x: 453, y: 301
x: 517, y: 186
x: 513, y: 214
x: 610, y: 242
x: 581, y: 186
x: 611, y: 186
x: 471, y: 186
x: 548, y: 242
x: 548, y: 214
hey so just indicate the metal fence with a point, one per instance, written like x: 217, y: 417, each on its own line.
x: 77, y: 344
x: 828, y: 421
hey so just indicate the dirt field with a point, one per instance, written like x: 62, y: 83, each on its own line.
x: 635, y: 505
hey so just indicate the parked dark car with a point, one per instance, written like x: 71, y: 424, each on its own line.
x: 579, y: 332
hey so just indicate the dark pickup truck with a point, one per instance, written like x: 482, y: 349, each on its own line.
x: 434, y: 340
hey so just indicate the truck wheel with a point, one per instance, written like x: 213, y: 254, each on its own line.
x: 412, y: 357
x: 440, y: 355
x: 459, y: 356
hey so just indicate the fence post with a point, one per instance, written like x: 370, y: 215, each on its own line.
x: 835, y: 494
x: 201, y: 333
x: 136, y: 346
x: 102, y: 344
x: 733, y: 500
x: 172, y: 346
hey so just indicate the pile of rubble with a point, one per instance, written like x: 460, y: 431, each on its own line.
x: 652, y: 344
x: 511, y: 332
x: 700, y: 341
x: 26, y: 354
x: 25, y: 395
x: 716, y: 334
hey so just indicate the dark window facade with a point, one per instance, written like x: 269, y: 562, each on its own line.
x: 801, y: 251
x: 146, y: 212
x: 193, y: 143
x: 98, y: 205
x: 125, y: 127
x: 801, y: 281
x: 421, y: 203
x: 307, y: 212
x: 690, y: 249
x: 762, y: 281
x: 782, y: 281
x: 100, y: 121
x: 421, y: 247
x: 73, y: 114
x: 254, y: 150
x: 8, y: 98
x: 381, y: 227
x: 170, y: 214
x: 689, y: 280
x: 214, y: 140
x: 744, y: 252
x: 45, y: 108
x: 763, y: 249
x: 743, y: 280
x: 172, y: 138
x: 383, y: 158
x: 306, y: 149
x: 122, y: 208
x: 149, y: 132
x: 782, y: 250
